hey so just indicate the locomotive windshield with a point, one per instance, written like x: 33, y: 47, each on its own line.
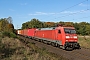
x: 69, y: 31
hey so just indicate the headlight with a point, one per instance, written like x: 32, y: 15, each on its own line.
x: 67, y: 37
x: 66, y: 40
x: 75, y: 36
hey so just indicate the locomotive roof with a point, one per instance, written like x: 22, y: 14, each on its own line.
x: 52, y: 28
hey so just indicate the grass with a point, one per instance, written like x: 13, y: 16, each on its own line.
x: 84, y: 41
x: 13, y: 49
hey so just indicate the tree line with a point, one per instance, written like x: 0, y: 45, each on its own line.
x: 82, y: 28
x: 6, y: 24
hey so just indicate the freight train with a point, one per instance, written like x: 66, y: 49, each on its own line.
x: 63, y: 37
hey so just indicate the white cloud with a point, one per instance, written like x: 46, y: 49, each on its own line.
x: 43, y: 13
x: 64, y: 12
x: 74, y: 12
x: 40, y: 13
x: 3, y: 17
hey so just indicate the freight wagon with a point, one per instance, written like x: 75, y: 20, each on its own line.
x: 31, y: 33
x: 27, y: 32
x: 20, y: 32
x: 64, y: 37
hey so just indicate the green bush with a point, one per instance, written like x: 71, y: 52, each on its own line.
x: 5, y: 33
x: 13, y: 35
x: 9, y: 34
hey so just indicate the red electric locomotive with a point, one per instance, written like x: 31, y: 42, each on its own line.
x: 64, y: 37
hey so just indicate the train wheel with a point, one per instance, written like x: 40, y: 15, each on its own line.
x: 69, y: 48
x: 53, y: 44
x: 48, y: 43
x: 58, y: 46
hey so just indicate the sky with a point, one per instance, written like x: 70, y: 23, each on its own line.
x: 23, y: 11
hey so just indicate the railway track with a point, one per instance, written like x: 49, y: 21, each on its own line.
x: 81, y: 54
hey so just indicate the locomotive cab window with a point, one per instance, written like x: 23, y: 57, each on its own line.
x: 69, y: 31
x: 59, y: 31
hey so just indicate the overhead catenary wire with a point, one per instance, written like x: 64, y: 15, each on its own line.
x: 67, y: 9
x: 74, y: 13
x: 79, y: 12
x: 73, y: 6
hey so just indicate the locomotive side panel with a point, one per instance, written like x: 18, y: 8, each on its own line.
x: 48, y: 34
